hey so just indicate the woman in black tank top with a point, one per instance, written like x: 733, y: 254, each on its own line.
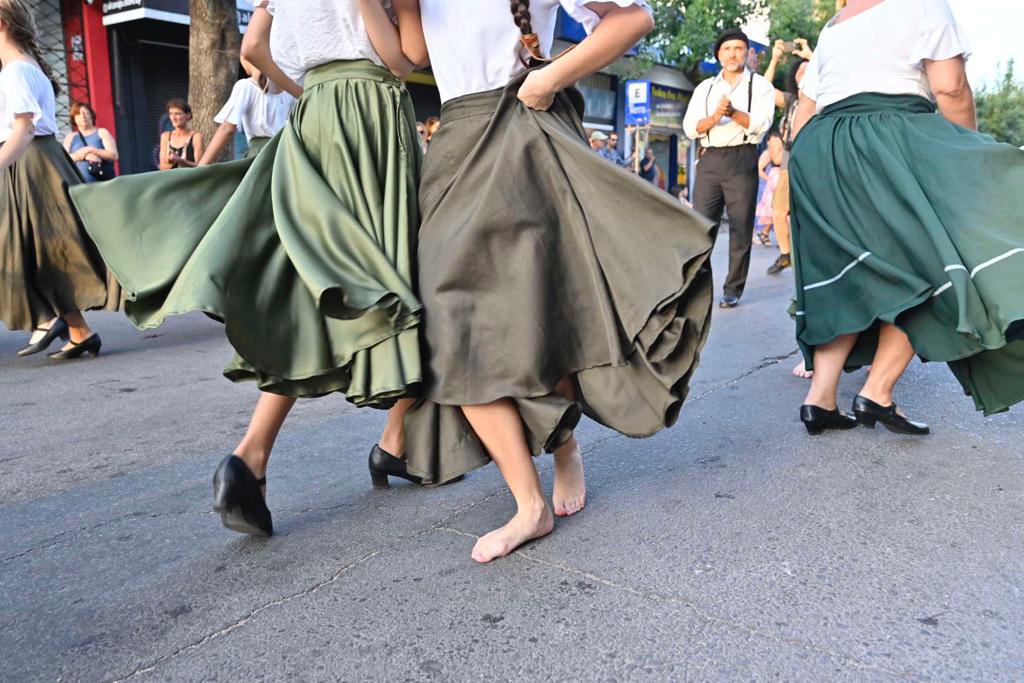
x: 180, y: 147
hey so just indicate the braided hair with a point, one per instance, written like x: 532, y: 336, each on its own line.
x: 21, y: 29
x: 521, y: 15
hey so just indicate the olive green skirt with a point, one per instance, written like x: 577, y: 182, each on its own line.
x: 899, y: 216
x: 256, y: 146
x: 303, y: 251
x: 540, y: 260
x: 48, y: 265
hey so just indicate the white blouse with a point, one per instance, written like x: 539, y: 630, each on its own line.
x: 474, y: 45
x: 308, y: 33
x: 260, y: 114
x: 25, y: 89
x: 882, y: 50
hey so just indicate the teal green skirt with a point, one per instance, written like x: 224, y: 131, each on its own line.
x: 304, y: 251
x: 899, y: 216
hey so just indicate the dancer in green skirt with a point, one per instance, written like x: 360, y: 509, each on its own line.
x: 907, y: 222
x: 49, y: 269
x: 304, y: 252
x: 554, y: 283
x: 258, y: 105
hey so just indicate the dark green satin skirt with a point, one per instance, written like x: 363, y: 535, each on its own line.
x: 901, y: 217
x: 303, y: 251
x: 540, y: 260
x: 48, y: 265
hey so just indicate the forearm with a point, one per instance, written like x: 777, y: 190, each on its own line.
x: 384, y: 37
x: 220, y: 141
x: 110, y: 155
x: 618, y: 31
x: 410, y: 29
x: 773, y: 65
x: 805, y: 110
x: 706, y: 124
x: 256, y: 48
x: 959, y: 108
x: 22, y: 134
x: 741, y: 118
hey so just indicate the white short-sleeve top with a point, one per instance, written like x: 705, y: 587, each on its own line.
x: 260, y: 114
x: 308, y: 33
x: 474, y: 45
x: 882, y: 50
x: 25, y: 89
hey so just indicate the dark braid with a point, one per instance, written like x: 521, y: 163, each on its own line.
x: 521, y: 13
x: 21, y: 29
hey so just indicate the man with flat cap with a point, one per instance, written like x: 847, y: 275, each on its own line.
x: 730, y: 114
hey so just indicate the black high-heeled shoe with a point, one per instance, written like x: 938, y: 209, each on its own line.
x: 869, y: 413
x: 383, y: 465
x: 238, y: 499
x: 90, y: 346
x: 57, y: 329
x: 817, y: 420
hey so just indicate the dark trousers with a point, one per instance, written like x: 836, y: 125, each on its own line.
x: 727, y: 177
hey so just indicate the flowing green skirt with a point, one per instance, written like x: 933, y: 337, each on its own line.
x: 303, y: 251
x: 902, y: 217
x: 48, y: 265
x: 540, y: 260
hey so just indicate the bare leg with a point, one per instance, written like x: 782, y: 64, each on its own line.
x: 781, y: 222
x: 569, y: 493
x: 828, y: 366
x: 892, y: 357
x: 392, y: 440
x: 258, y: 442
x: 80, y: 330
x: 501, y: 430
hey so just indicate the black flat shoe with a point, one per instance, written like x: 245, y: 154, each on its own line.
x: 58, y: 329
x: 817, y: 420
x: 90, y: 346
x: 383, y: 465
x: 237, y: 497
x: 868, y: 413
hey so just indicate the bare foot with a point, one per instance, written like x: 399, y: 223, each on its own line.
x: 570, y: 490
x: 801, y: 371
x: 525, y: 526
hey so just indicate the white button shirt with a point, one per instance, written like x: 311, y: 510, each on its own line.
x: 728, y: 133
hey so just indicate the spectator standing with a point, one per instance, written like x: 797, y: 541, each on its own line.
x: 729, y: 114
x: 182, y: 146
x: 649, y: 167
x: 431, y: 125
x: 92, y: 149
x: 769, y: 170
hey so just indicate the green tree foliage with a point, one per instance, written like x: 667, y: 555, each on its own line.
x: 685, y: 31
x: 799, y: 18
x: 1001, y: 108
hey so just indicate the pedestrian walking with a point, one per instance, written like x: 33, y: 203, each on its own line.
x: 303, y: 251
x: 51, y: 270
x: 180, y: 147
x: 730, y: 114
x: 535, y: 307
x: 256, y: 104
x: 906, y: 222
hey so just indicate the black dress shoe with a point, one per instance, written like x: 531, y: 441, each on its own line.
x: 868, y: 413
x: 57, y: 329
x: 90, y: 346
x: 729, y: 301
x: 238, y: 499
x: 383, y: 465
x: 818, y: 419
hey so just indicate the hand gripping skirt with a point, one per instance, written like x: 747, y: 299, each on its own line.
x: 902, y: 217
x: 48, y: 265
x: 304, y: 251
x: 539, y: 260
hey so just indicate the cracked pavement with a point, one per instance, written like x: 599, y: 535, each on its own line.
x: 731, y: 547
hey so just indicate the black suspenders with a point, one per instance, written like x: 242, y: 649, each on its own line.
x: 750, y: 106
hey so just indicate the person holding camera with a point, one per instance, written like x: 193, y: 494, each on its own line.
x: 181, y: 147
x: 729, y: 114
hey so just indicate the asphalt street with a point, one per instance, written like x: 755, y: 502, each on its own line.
x: 731, y: 547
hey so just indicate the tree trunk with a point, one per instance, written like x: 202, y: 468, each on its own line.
x: 213, y: 44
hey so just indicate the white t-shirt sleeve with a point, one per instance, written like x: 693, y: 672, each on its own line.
x: 19, y: 96
x: 940, y: 36
x: 809, y: 83
x: 242, y: 96
x: 579, y: 11
x: 695, y: 111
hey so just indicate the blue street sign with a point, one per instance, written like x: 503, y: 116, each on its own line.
x: 638, y: 103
